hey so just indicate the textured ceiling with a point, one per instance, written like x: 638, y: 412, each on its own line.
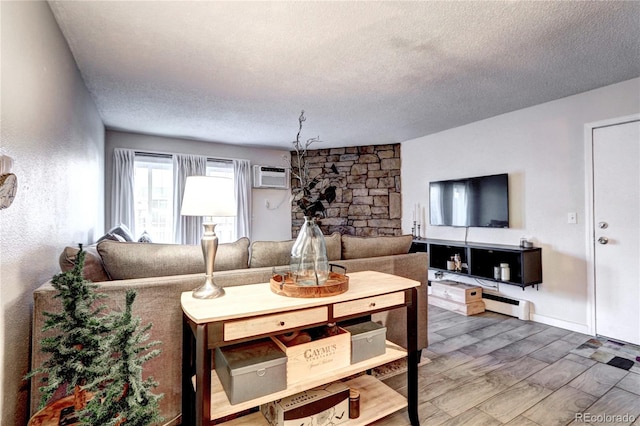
x: 364, y: 72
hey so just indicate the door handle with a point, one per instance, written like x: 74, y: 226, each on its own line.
x: 603, y: 240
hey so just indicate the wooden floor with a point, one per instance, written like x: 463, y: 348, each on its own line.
x: 491, y: 369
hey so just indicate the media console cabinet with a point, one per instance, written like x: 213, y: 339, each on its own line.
x: 253, y: 311
x: 479, y: 259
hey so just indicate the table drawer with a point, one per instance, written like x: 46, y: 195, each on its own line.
x: 368, y: 304
x: 274, y: 323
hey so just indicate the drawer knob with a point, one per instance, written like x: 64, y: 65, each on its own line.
x: 372, y: 304
x: 281, y: 323
x: 261, y: 372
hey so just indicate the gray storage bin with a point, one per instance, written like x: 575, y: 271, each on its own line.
x: 368, y: 339
x: 251, y: 370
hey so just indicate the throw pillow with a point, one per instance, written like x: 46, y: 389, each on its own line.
x: 112, y: 237
x: 122, y: 230
x: 361, y: 247
x: 145, y: 238
x: 93, y: 269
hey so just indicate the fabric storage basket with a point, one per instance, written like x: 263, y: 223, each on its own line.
x: 368, y: 340
x: 251, y: 370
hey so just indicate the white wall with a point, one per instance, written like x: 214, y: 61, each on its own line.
x: 542, y: 149
x: 273, y: 223
x: 52, y: 130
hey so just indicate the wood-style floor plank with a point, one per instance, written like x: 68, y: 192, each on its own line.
x: 560, y: 407
x: 491, y: 369
x: 598, y: 379
x: 514, y: 401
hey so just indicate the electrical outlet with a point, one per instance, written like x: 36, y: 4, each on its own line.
x: 572, y: 218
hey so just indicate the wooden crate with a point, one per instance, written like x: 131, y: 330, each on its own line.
x: 456, y: 292
x: 316, y: 357
x: 472, y: 308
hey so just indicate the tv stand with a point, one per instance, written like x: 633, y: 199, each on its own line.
x: 479, y: 259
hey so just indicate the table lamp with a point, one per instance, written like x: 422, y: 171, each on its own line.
x: 208, y: 196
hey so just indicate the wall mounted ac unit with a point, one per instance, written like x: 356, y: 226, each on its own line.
x: 270, y: 177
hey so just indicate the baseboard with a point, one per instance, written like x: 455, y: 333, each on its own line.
x: 521, y: 309
x: 567, y: 325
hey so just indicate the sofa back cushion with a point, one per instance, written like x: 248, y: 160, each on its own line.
x: 334, y: 246
x: 278, y: 253
x: 139, y: 260
x: 362, y: 247
x: 93, y: 269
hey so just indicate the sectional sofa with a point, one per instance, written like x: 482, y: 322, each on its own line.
x: 161, y: 272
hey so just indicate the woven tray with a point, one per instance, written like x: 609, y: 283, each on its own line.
x: 284, y: 286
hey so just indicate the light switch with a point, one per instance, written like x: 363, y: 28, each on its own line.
x: 572, y: 217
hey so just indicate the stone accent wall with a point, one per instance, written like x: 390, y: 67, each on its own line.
x: 368, y: 196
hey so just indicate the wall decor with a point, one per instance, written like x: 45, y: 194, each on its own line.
x: 8, y: 182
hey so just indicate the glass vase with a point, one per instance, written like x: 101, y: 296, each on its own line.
x: 309, y: 263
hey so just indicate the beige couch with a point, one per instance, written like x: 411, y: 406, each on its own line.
x: 161, y: 272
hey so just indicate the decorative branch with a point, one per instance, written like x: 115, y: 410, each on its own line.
x: 312, y: 192
x: 301, y: 171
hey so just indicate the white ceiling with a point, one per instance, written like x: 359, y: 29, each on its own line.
x: 365, y: 72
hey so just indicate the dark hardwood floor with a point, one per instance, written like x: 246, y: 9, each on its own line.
x: 491, y: 369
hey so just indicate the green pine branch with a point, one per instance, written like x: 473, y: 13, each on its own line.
x: 80, y: 327
x: 127, y: 398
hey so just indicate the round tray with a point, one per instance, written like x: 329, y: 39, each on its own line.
x: 284, y: 286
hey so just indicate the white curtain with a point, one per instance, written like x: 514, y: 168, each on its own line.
x: 187, y: 229
x: 122, y: 209
x: 242, y: 179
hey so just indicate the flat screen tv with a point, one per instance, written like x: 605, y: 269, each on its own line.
x: 470, y: 202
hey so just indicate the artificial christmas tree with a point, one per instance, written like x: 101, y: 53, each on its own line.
x: 123, y: 397
x: 97, y: 356
x: 79, y: 343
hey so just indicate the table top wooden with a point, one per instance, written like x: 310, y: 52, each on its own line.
x: 258, y: 299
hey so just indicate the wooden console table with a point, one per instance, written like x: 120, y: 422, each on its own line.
x: 252, y: 311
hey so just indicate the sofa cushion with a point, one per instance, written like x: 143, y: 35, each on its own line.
x: 139, y: 260
x: 278, y: 253
x: 334, y: 246
x: 270, y: 253
x: 362, y: 247
x: 231, y: 255
x: 93, y: 269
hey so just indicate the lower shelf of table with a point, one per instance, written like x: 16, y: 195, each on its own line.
x: 377, y: 400
x: 220, y: 406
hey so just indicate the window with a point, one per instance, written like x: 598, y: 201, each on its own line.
x: 225, y: 226
x: 153, y: 197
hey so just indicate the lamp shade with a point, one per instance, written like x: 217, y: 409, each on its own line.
x: 208, y: 196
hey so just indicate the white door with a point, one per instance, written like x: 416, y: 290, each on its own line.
x: 616, y: 214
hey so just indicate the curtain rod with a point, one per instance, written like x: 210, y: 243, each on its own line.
x: 169, y: 155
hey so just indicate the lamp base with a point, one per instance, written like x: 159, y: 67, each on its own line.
x: 209, y: 290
